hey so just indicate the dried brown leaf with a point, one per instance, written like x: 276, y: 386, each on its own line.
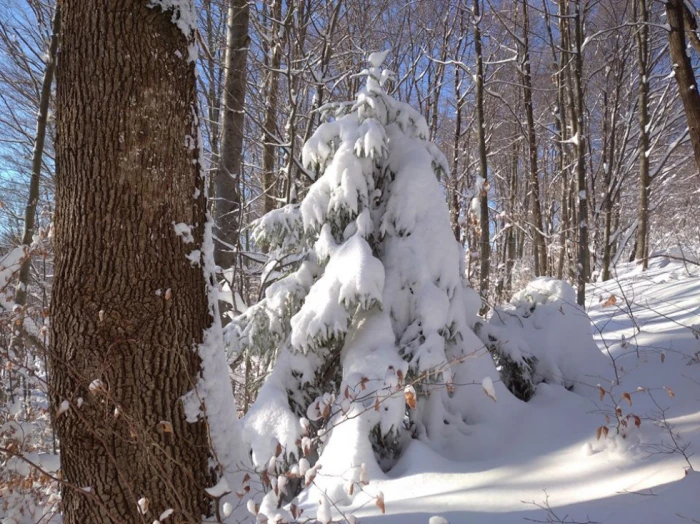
x: 611, y: 301
x: 410, y: 397
x: 626, y: 396
x: 380, y: 502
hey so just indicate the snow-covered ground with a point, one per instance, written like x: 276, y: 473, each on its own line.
x: 542, y: 461
x: 546, y: 452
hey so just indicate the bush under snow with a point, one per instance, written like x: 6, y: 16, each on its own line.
x: 544, y: 336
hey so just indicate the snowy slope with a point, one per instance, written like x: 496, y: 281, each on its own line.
x: 496, y: 473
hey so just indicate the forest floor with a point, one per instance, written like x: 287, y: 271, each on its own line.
x: 546, y: 464
x: 544, y: 461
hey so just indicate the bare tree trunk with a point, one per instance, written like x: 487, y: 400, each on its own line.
x: 213, y: 72
x: 37, y: 155
x: 642, y: 36
x: 295, y: 25
x: 128, y: 305
x: 583, y: 269
x: 271, y: 103
x: 560, y: 126
x: 540, y: 246
x: 510, y: 243
x: 227, y: 207
x: 484, y: 240
x: 684, y: 74
x: 326, y: 55
x: 454, y: 201
x: 608, y: 168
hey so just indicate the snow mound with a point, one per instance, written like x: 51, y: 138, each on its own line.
x: 544, y: 325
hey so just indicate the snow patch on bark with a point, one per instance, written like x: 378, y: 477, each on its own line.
x: 184, y: 15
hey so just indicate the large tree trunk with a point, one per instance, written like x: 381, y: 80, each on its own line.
x: 684, y: 74
x: 129, y: 307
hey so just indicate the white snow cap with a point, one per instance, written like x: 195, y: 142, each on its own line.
x: 377, y: 59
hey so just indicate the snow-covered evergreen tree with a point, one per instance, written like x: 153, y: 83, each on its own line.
x: 371, y: 333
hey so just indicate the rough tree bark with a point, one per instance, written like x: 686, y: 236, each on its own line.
x: 684, y: 74
x: 128, y: 306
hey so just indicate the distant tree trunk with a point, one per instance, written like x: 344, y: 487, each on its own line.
x: 21, y: 290
x: 294, y: 28
x: 273, y: 58
x: 559, y: 63
x: 571, y: 123
x: 540, y: 245
x: 454, y: 201
x: 583, y: 269
x: 128, y: 305
x: 227, y: 208
x: 608, y: 168
x: 642, y: 37
x: 326, y: 55
x: 37, y: 155
x: 684, y: 74
x: 484, y: 240
x: 214, y: 74
x: 510, y: 242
